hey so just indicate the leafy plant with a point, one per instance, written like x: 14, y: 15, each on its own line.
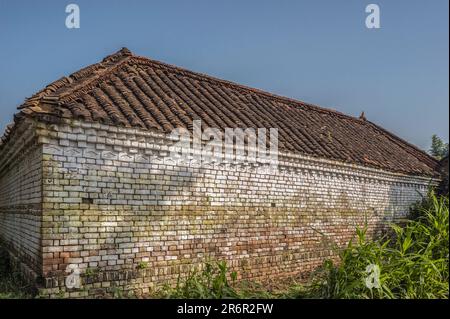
x: 413, y: 262
x: 210, y: 283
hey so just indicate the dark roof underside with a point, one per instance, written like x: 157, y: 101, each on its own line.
x: 132, y: 91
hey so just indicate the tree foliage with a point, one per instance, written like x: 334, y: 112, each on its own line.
x: 438, y: 149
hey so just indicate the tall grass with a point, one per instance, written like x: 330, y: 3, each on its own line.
x: 413, y: 263
x: 216, y: 281
x: 211, y: 282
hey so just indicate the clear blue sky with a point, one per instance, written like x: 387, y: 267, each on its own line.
x: 316, y: 51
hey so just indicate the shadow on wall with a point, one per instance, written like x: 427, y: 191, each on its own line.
x: 194, y: 213
x: 245, y: 229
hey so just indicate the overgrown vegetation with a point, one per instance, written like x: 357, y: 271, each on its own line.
x: 413, y: 263
x: 216, y: 281
x: 211, y: 282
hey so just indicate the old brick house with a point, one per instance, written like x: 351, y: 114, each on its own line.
x: 85, y: 180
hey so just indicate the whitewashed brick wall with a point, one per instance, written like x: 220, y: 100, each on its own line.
x: 20, y: 201
x: 112, y: 199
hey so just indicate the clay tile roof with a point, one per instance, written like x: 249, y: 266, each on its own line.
x: 132, y: 91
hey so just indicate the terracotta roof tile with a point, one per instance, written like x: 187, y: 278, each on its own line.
x: 133, y: 91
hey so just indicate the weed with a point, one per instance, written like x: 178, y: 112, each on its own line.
x: 210, y: 283
x: 90, y: 272
x: 142, y: 265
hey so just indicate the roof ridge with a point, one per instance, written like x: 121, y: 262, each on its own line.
x: 110, y: 64
x: 280, y: 98
x: 116, y: 59
x: 123, y: 52
x: 399, y: 139
x: 107, y: 64
x: 235, y: 85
